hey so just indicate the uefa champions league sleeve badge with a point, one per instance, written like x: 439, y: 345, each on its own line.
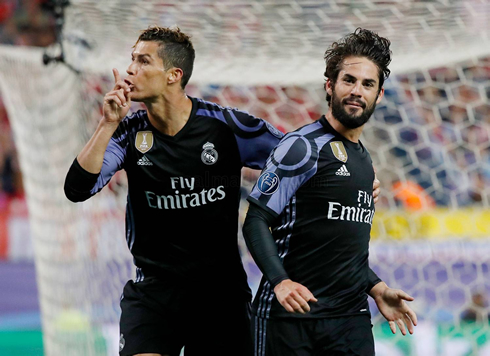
x: 209, y: 155
x: 268, y: 183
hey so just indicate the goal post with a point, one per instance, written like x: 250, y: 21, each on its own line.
x: 429, y: 140
x: 80, y: 254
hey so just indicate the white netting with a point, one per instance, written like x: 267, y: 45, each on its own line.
x: 281, y: 41
x: 81, y: 259
x: 430, y: 140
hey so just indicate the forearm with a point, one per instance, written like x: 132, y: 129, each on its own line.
x: 92, y: 155
x: 262, y: 246
x: 84, y: 177
x: 79, y: 183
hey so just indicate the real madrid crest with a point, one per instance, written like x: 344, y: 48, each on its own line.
x: 144, y: 141
x: 209, y: 155
x: 339, y: 151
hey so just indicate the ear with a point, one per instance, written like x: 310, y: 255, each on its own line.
x: 328, y: 86
x: 174, y: 75
x: 380, y: 95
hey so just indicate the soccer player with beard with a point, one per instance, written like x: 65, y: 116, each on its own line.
x: 183, y: 157
x: 309, y: 222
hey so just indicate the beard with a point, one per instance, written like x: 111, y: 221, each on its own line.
x: 350, y: 120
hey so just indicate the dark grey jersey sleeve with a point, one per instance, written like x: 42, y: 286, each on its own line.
x: 261, y: 244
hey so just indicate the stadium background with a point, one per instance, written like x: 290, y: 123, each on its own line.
x: 430, y: 140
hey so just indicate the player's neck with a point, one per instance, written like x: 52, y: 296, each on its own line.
x: 169, y: 113
x: 350, y: 134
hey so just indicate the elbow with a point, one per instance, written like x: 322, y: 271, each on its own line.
x: 75, y: 197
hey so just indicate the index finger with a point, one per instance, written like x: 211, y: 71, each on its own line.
x: 307, y: 295
x: 403, y: 295
x: 116, y: 75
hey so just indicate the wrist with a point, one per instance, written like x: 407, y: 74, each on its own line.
x: 378, y: 290
x: 278, y: 284
x: 277, y: 280
x: 108, y: 124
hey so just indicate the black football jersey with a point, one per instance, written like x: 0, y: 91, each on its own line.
x: 184, y: 191
x: 319, y: 185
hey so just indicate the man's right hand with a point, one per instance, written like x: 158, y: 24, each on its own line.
x: 294, y: 297
x: 118, y: 101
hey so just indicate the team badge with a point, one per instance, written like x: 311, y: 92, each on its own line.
x: 144, y: 141
x: 268, y: 183
x: 209, y: 155
x: 275, y: 132
x: 339, y: 151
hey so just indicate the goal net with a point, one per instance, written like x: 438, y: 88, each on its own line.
x: 429, y: 139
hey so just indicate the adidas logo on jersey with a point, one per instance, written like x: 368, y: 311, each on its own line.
x: 342, y: 171
x: 143, y: 161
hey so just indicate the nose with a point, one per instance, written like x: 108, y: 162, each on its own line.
x: 356, y: 89
x: 130, y: 69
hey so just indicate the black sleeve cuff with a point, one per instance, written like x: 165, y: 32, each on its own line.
x: 373, y: 279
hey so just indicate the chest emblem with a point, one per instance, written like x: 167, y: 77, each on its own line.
x: 339, y: 151
x: 209, y: 155
x: 144, y: 141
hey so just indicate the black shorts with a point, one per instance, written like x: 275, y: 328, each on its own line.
x: 350, y: 335
x: 159, y: 317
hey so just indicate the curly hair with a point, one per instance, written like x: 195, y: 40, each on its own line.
x: 175, y: 49
x: 360, y: 43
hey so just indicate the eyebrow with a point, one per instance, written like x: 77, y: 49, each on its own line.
x: 140, y: 55
x: 365, y: 80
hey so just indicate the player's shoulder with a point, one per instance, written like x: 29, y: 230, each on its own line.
x: 209, y: 105
x: 212, y: 109
x: 302, y: 145
x: 311, y: 134
x: 241, y: 122
x: 130, y: 125
x: 135, y: 122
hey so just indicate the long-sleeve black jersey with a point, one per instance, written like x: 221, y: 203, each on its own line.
x: 183, y: 191
x: 318, y: 186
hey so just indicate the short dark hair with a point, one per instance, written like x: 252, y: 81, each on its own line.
x: 360, y: 43
x: 175, y: 49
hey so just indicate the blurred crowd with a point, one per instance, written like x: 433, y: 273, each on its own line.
x: 26, y: 23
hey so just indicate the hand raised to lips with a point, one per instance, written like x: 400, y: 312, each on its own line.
x: 128, y: 82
